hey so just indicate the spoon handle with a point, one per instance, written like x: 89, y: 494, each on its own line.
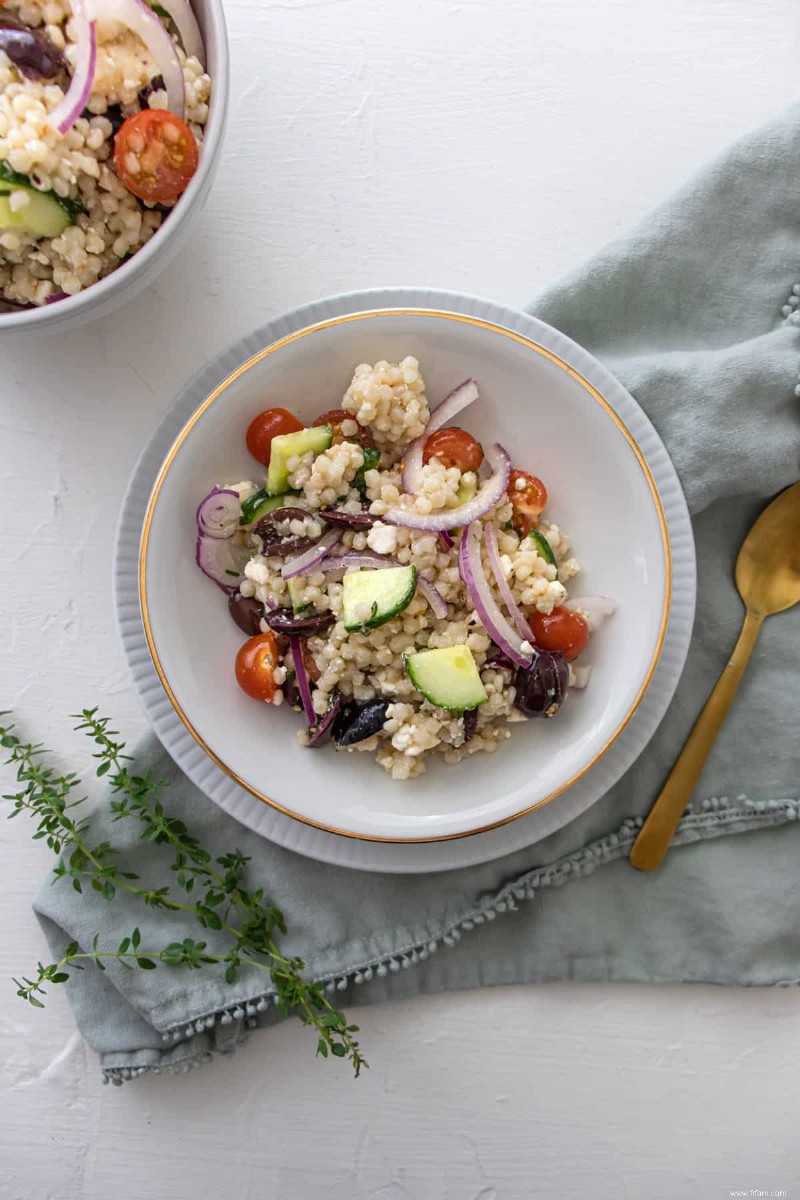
x: 658, y: 830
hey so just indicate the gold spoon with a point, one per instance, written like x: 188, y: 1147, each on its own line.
x: 768, y: 579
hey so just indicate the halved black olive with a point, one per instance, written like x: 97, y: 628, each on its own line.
x: 470, y: 720
x: 348, y: 520
x: 246, y: 612
x: 30, y: 50
x: 542, y: 687
x: 356, y: 722
x: 285, y: 620
x: 273, y: 541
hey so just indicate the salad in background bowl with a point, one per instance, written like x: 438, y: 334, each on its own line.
x: 111, y: 114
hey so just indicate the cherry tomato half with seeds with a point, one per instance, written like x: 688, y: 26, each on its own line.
x: 454, y: 448
x: 271, y: 423
x: 155, y: 154
x: 255, y: 666
x: 528, y: 497
x: 334, y: 418
x: 562, y: 629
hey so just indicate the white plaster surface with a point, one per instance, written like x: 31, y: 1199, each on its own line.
x: 481, y: 145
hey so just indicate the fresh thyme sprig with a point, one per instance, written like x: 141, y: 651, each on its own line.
x: 213, y: 891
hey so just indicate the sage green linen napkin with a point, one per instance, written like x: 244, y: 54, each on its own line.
x: 697, y: 312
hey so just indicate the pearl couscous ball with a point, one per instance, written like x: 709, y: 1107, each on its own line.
x: 110, y: 223
x: 389, y: 402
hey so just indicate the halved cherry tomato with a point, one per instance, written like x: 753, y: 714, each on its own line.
x: 255, y: 666
x: 528, y: 495
x: 155, y: 154
x: 334, y: 417
x: 562, y: 629
x: 454, y: 448
x: 270, y: 423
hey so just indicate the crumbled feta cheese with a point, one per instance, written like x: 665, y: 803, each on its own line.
x: 382, y: 538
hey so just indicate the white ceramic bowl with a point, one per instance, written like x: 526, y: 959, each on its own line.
x: 143, y: 267
x: 536, y: 400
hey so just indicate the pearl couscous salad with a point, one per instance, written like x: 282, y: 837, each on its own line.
x: 102, y: 109
x: 397, y: 582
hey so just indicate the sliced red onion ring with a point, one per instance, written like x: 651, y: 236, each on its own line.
x: 581, y: 676
x: 309, y: 559
x: 594, y: 608
x: 434, y: 597
x: 463, y: 395
x: 185, y: 22
x: 142, y: 21
x: 218, y: 514
x: 490, y: 537
x: 302, y: 678
x: 445, y: 541
x: 215, y: 558
x: 65, y: 114
x: 465, y: 514
x: 492, y: 619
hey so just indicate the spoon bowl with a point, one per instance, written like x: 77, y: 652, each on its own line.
x: 768, y: 566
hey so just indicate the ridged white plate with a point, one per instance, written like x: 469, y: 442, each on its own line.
x: 438, y: 855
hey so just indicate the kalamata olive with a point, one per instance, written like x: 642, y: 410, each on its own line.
x: 541, y: 687
x: 246, y: 612
x: 114, y: 115
x: 356, y: 722
x: 358, y: 520
x: 470, y: 720
x: 321, y: 731
x: 156, y: 84
x: 275, y: 542
x: 30, y: 50
x: 286, y: 620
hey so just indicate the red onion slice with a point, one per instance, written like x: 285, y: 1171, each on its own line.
x: 435, y: 599
x: 302, y: 678
x: 514, y: 609
x: 185, y: 22
x: 218, y: 514
x: 463, y: 395
x: 502, y: 634
x: 303, y: 563
x: 445, y: 541
x: 356, y: 559
x: 581, y: 676
x: 214, y: 556
x: 594, y: 608
x: 65, y: 114
x: 454, y: 518
x: 142, y: 21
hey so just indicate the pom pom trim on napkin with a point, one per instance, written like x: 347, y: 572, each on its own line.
x: 716, y: 816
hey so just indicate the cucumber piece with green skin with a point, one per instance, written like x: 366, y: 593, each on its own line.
x: 259, y: 504
x: 42, y: 216
x: 371, y: 598
x: 296, y: 587
x: 291, y: 445
x: 544, y: 547
x: 448, y: 677
x: 466, y: 491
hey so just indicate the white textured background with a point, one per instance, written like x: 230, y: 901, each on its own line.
x: 483, y: 145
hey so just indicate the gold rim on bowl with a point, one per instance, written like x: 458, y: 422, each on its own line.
x: 279, y: 345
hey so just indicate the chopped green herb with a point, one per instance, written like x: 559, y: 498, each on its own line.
x: 371, y: 460
x: 160, y: 12
x: 235, y: 574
